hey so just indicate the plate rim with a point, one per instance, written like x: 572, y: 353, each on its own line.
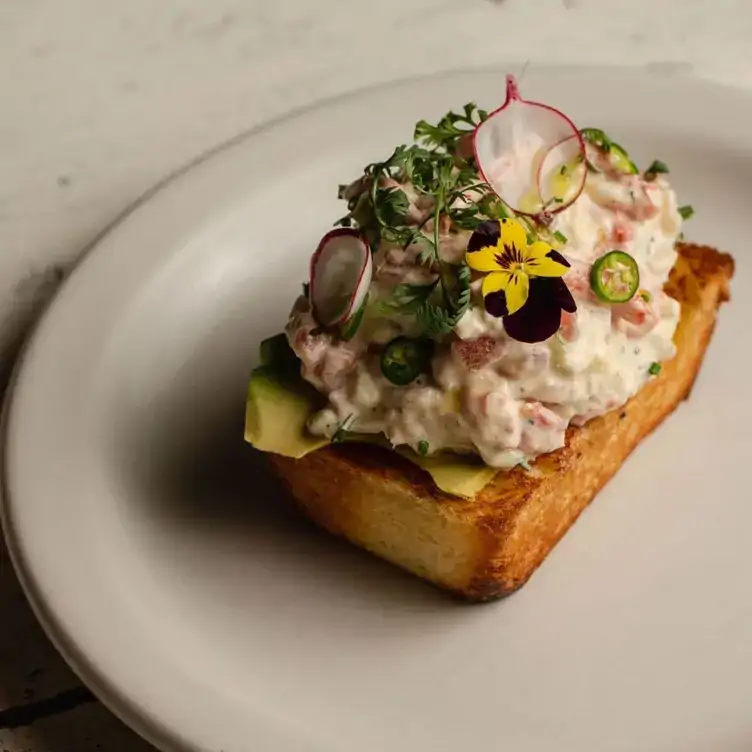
x: 144, y: 722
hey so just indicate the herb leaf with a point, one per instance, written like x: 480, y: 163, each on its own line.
x: 686, y: 211
x: 446, y: 187
x: 441, y: 319
x: 656, y: 168
x: 450, y: 129
x: 343, y: 430
x: 423, y: 448
x: 391, y: 206
x: 409, y: 298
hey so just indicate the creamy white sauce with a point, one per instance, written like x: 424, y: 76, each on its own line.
x: 518, y: 404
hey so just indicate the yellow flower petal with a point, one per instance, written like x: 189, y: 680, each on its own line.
x: 513, y: 233
x: 495, y: 281
x: 517, y: 291
x: 483, y: 260
x: 514, y: 284
x: 539, y: 264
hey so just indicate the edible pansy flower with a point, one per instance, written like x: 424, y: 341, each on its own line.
x: 523, y: 282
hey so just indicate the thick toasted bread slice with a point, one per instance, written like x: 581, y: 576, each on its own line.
x: 488, y: 547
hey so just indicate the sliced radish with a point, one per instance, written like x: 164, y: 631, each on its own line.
x: 341, y: 270
x: 561, y: 175
x: 524, y: 150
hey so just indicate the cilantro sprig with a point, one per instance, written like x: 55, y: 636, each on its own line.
x: 446, y: 134
x: 448, y: 187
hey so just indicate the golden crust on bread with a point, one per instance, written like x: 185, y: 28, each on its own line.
x: 489, y: 546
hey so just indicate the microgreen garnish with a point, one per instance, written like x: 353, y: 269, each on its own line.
x: 391, y: 206
x: 686, y: 212
x: 655, y: 369
x: 447, y: 133
x: 561, y: 237
x: 426, y: 302
x: 656, y: 168
x: 448, y: 182
x: 423, y: 448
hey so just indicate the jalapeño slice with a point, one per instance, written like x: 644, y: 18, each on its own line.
x: 621, y: 161
x: 617, y: 155
x: 404, y: 359
x: 615, y: 277
x: 596, y: 137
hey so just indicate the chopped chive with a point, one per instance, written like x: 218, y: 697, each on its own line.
x: 686, y: 211
x: 343, y: 429
x: 657, y: 168
x: 560, y: 236
x: 655, y: 369
x: 423, y: 448
x: 591, y: 167
x: 646, y: 296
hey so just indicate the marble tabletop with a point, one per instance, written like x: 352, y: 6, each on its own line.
x: 101, y: 99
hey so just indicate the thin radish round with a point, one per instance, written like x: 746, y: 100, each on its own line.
x: 562, y: 174
x: 528, y: 152
x: 341, y: 270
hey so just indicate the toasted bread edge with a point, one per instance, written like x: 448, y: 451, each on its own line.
x: 488, y: 547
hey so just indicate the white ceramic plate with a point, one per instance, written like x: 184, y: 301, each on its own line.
x: 166, y: 568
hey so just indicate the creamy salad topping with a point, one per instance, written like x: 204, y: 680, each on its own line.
x: 479, y: 327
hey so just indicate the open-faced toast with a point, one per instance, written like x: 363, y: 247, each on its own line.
x: 489, y: 546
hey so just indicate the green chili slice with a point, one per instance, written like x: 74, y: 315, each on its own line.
x: 404, y: 359
x: 617, y: 155
x: 615, y: 277
x: 621, y: 161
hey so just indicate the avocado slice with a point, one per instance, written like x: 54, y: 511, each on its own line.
x: 277, y: 412
x: 454, y: 473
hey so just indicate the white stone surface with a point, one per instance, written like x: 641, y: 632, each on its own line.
x: 101, y: 99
